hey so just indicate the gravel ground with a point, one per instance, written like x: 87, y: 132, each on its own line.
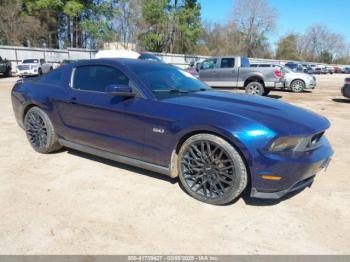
x: 74, y: 203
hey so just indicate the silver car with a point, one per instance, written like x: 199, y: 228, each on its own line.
x: 295, y: 81
x: 298, y: 82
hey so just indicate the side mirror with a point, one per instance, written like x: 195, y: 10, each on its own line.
x: 119, y: 90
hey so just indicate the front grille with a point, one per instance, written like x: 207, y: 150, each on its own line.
x: 24, y: 67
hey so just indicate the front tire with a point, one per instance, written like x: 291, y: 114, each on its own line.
x: 297, y: 86
x: 211, y: 170
x: 255, y: 88
x: 40, y: 131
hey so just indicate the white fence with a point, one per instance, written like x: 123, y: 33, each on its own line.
x: 17, y: 53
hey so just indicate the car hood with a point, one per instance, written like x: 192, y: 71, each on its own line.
x: 278, y: 116
x: 30, y: 64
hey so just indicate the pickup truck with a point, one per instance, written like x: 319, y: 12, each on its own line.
x: 235, y: 72
x: 5, y: 67
x: 33, y: 67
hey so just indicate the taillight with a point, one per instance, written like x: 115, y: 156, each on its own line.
x: 347, y: 81
x: 278, y: 73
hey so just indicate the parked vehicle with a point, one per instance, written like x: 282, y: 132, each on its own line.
x: 192, y: 70
x: 305, y: 68
x: 159, y: 117
x: 337, y: 70
x: 298, y: 82
x: 149, y: 56
x: 121, y: 53
x: 235, y: 71
x: 321, y: 69
x: 296, y: 67
x: 347, y: 70
x: 346, y: 88
x: 295, y: 81
x: 66, y: 62
x: 33, y: 67
x: 330, y: 70
x: 5, y: 67
x: 312, y: 69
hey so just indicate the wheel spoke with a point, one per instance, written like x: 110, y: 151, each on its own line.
x: 36, y: 130
x: 207, y: 169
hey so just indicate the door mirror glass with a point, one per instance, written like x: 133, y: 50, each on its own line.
x: 119, y: 90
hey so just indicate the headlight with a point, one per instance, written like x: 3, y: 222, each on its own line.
x: 285, y: 143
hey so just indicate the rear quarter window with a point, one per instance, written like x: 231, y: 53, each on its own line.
x: 54, y: 77
x: 245, y: 62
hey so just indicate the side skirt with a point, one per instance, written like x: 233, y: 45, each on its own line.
x: 115, y: 157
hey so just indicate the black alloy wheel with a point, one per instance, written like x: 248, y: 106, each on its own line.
x: 211, y: 170
x: 40, y: 131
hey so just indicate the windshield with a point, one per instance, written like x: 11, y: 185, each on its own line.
x: 30, y: 61
x: 167, y: 81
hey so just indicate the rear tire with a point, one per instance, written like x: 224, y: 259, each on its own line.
x: 346, y: 91
x: 266, y: 92
x: 40, y: 131
x: 255, y: 88
x: 8, y: 72
x: 211, y: 170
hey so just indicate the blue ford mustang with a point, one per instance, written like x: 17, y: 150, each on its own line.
x: 158, y: 117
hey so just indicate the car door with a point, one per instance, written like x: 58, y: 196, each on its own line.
x: 207, y: 72
x: 94, y: 118
x: 227, y: 73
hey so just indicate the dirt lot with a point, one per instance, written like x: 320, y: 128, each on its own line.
x: 73, y: 203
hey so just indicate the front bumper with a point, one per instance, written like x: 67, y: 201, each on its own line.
x: 32, y: 72
x: 310, y: 84
x: 296, y: 171
x: 298, y: 185
x: 278, y: 84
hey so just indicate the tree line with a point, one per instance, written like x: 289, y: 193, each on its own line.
x: 173, y: 26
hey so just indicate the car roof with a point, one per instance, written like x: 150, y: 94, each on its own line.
x: 119, y: 61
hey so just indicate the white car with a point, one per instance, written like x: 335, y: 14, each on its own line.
x: 33, y: 67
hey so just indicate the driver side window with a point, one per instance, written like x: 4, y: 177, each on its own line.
x: 96, y: 78
x: 208, y: 64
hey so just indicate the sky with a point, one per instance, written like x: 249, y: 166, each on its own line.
x: 293, y: 15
